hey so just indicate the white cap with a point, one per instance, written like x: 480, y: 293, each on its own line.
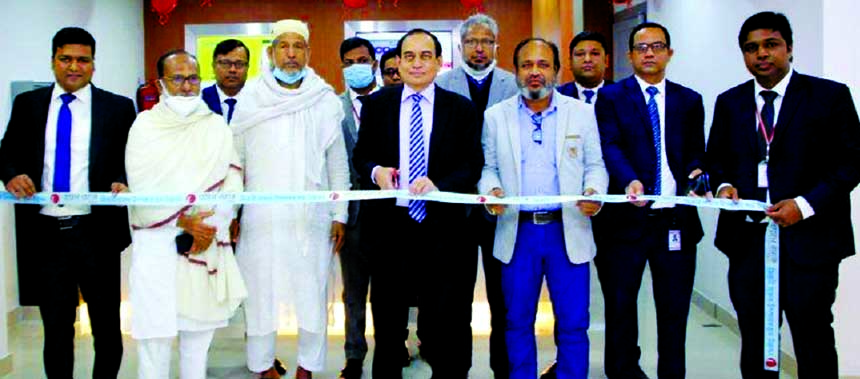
x: 291, y: 26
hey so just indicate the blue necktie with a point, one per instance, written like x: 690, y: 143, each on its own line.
x: 767, y: 112
x: 654, y: 114
x: 537, y: 134
x: 588, y: 95
x: 63, y: 150
x: 231, y: 106
x: 417, y: 163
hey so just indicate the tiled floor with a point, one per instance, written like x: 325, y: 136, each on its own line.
x: 712, y: 350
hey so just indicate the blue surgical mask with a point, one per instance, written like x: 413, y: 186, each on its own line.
x: 289, y: 78
x: 358, y: 75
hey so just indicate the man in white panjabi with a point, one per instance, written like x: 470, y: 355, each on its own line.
x: 180, y: 146
x: 289, y: 138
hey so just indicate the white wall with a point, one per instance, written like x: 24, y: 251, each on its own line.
x: 28, y: 27
x: 707, y: 59
x: 843, y: 64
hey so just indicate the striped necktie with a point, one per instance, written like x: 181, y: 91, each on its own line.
x: 654, y: 114
x: 417, y: 162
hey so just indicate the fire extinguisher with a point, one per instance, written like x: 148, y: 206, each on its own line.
x: 147, y: 95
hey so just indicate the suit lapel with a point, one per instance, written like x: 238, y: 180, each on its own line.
x: 674, y: 125
x: 440, y: 120
x: 495, y: 88
x: 393, y: 121
x: 795, y: 95
x: 348, y: 110
x: 97, y: 130
x: 41, y: 122
x: 747, y: 110
x: 210, y: 97
x: 560, y: 126
x: 634, y: 93
x: 512, y: 120
x: 461, y: 84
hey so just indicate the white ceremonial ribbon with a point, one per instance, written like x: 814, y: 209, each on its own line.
x: 771, y: 297
x: 772, y: 343
x: 208, y: 198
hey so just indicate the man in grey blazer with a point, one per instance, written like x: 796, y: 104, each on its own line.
x: 478, y: 79
x: 543, y: 144
x: 358, y: 60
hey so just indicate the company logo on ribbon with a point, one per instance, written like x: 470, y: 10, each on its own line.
x: 191, y: 198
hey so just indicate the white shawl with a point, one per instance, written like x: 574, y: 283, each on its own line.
x: 167, y: 153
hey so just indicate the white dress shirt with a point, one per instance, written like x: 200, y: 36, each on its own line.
x: 667, y: 181
x: 79, y: 181
x: 581, y: 91
x: 426, y: 104
x: 805, y: 209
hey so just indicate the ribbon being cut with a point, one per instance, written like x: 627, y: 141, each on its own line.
x: 771, y: 322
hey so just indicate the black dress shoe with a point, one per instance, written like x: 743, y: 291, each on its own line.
x: 352, y: 370
x: 549, y: 371
x: 637, y: 373
x: 279, y: 367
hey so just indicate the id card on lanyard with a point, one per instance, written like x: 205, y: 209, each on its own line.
x: 768, y: 138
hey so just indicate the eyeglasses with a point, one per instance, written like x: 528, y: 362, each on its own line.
x: 178, y: 80
x: 472, y: 43
x: 656, y: 47
x: 225, y: 64
x: 390, y: 72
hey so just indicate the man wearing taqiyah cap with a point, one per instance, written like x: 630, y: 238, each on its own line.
x: 289, y: 139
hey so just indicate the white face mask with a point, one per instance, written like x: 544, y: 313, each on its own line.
x: 478, y: 74
x: 184, y: 106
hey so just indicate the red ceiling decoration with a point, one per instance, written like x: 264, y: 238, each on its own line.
x: 163, y: 9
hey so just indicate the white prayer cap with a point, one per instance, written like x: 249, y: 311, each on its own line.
x: 291, y: 26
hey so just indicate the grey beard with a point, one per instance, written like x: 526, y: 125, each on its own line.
x: 535, y: 95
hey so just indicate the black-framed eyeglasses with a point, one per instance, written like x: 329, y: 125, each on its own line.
x: 390, y: 72
x: 178, y: 80
x: 226, y: 64
x: 656, y: 47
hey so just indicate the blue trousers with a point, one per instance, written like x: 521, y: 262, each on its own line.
x: 540, y: 252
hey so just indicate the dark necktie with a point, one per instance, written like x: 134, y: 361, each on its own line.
x: 767, y: 112
x: 417, y: 163
x: 588, y: 95
x: 63, y: 150
x: 537, y: 133
x: 654, y: 114
x: 231, y: 106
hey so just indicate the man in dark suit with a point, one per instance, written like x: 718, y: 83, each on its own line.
x: 807, y: 172
x: 230, y: 64
x: 652, y: 135
x: 70, y: 137
x: 479, y: 79
x: 588, y: 59
x: 422, y: 138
